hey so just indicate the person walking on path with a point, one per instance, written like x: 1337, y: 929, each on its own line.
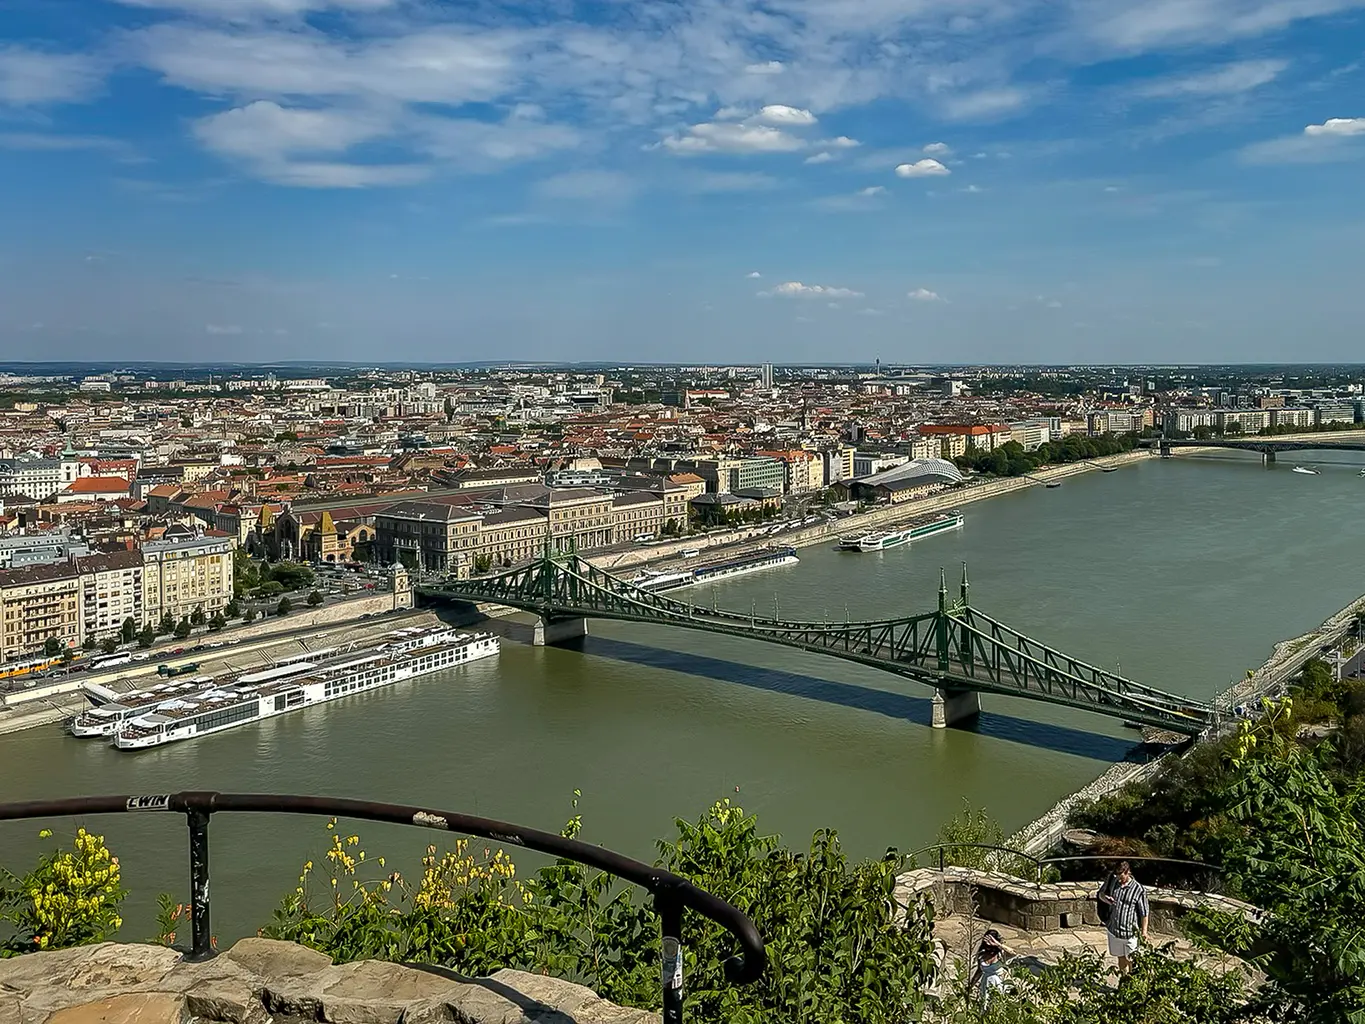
x: 1126, y: 900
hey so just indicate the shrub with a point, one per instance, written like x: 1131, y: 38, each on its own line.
x: 69, y: 899
x: 284, y: 607
x: 314, y: 599
x: 844, y: 957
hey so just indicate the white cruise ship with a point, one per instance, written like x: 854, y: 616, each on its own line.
x: 112, y: 710
x: 292, y: 687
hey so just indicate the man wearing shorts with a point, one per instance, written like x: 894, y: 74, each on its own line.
x: 1127, y: 901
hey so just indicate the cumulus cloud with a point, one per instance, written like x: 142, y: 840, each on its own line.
x: 264, y: 130
x: 872, y: 190
x: 797, y: 290
x: 823, y: 157
x: 1338, y: 126
x: 841, y: 142
x: 753, y: 274
x: 924, y: 295
x: 30, y: 77
x: 768, y: 67
x: 1224, y: 81
x: 939, y: 149
x: 926, y: 168
x: 724, y: 137
x: 782, y: 115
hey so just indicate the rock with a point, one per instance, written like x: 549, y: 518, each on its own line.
x: 365, y: 992
x: 132, y: 1008
x: 272, y: 958
x: 107, y: 965
x: 9, y: 1008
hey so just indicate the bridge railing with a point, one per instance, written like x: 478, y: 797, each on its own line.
x: 671, y: 893
x: 942, y: 851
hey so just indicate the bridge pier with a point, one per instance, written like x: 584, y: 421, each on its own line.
x: 556, y: 631
x: 954, y: 706
x: 1268, y: 457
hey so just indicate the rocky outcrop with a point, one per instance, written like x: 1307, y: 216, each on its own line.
x: 260, y: 980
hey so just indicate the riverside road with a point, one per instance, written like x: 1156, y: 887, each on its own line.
x: 1178, y: 573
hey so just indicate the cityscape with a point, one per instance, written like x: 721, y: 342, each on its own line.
x: 728, y: 512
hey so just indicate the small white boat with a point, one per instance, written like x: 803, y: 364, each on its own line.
x: 1305, y: 470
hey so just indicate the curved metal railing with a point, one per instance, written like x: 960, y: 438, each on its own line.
x: 1041, y: 863
x: 672, y: 893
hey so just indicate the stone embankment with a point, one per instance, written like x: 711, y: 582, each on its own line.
x: 258, y: 981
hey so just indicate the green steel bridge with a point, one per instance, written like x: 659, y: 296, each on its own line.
x: 955, y: 649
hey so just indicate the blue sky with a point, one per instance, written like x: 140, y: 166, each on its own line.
x: 709, y: 180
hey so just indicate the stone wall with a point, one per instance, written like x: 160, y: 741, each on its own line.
x: 261, y: 980
x: 1049, y: 907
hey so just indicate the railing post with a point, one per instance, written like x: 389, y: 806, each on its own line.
x: 201, y: 947
x: 671, y: 965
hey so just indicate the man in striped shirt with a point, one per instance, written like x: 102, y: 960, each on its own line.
x: 1127, y: 901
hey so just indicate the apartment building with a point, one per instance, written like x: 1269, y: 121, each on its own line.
x: 1292, y: 418
x: 805, y: 470
x: 1031, y: 435
x: 38, y: 602
x: 1245, y: 421
x: 180, y: 575
x: 111, y: 592
x: 958, y: 437
x: 838, y: 463
x: 39, y: 477
x: 1184, y: 421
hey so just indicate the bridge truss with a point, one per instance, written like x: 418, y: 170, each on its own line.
x: 953, y: 648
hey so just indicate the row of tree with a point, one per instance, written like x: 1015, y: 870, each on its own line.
x: 1010, y: 458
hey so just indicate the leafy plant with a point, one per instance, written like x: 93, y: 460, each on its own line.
x: 69, y: 899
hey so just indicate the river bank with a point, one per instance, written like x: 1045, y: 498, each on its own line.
x: 1044, y: 834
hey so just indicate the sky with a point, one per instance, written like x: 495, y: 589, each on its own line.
x: 1016, y: 181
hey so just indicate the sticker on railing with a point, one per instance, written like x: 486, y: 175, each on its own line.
x: 672, y: 963
x: 159, y: 802
x: 429, y: 820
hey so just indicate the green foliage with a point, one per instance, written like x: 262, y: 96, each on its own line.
x: 1010, y: 459
x: 167, y: 625
x: 314, y: 599
x: 1077, y: 990
x: 197, y: 617
x: 51, y: 646
x: 482, y: 563
x: 183, y: 629
x: 147, y: 637
x: 284, y: 607
x: 129, y: 631
x: 270, y: 588
x: 170, y: 918
x: 248, y: 614
x: 974, y: 830
x: 109, y: 646
x: 233, y: 609
x: 90, y: 644
x: 289, y: 575
x: 1300, y: 856
x: 217, y: 622
x: 836, y: 953
x: 69, y: 899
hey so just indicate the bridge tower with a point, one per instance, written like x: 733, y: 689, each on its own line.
x: 951, y: 706
x: 1267, y: 456
x: 556, y: 629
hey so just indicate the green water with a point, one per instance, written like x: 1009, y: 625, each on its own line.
x: 1182, y: 573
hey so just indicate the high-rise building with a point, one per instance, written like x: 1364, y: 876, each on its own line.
x: 768, y: 376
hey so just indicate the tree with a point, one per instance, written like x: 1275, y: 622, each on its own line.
x: 67, y: 655
x: 167, y: 625
x: 110, y: 645
x: 482, y: 563
x: 291, y: 575
x: 248, y: 614
x: 90, y: 644
x: 449, y: 408
x: 284, y: 607
x: 314, y: 599
x: 217, y: 622
x: 197, y: 617
x: 147, y: 637
x: 129, y: 631
x: 233, y: 609
x: 51, y: 646
x: 183, y: 629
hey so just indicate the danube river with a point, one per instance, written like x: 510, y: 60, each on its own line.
x: 1180, y: 573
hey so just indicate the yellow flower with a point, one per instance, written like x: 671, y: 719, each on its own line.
x: 45, y: 833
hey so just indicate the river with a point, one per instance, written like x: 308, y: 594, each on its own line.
x: 1181, y: 573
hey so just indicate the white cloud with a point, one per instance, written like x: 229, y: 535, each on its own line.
x: 723, y: 181
x: 753, y: 274
x: 729, y: 114
x: 222, y: 329
x: 264, y: 130
x: 938, y: 149
x: 323, y: 174
x: 924, y: 295
x: 984, y: 104
x: 872, y: 190
x: 1224, y: 81
x: 841, y: 142
x: 797, y: 290
x: 593, y: 186
x: 1338, y: 126
x: 821, y: 158
x: 769, y: 67
x: 237, y: 9
x: 30, y: 77
x: 925, y: 168
x: 863, y: 200
x: 1337, y: 138
x: 782, y: 115
x: 711, y: 137
x: 1143, y: 25
x: 972, y: 190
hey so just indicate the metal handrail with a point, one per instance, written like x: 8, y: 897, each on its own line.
x: 672, y: 893
x: 1040, y: 862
